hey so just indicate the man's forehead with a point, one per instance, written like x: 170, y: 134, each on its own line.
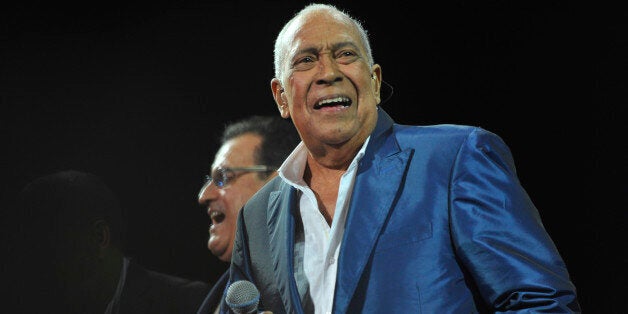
x: 323, y: 35
x: 237, y: 151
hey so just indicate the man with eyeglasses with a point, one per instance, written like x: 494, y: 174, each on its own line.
x: 251, y: 151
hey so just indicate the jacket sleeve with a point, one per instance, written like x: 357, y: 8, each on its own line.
x: 498, y: 234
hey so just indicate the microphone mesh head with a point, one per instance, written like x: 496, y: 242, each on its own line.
x: 242, y: 297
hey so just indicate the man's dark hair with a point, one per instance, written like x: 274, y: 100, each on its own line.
x: 279, y: 137
x: 72, y: 199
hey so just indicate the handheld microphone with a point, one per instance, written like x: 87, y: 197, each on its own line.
x: 242, y: 297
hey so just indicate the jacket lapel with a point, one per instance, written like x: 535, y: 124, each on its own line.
x: 281, y: 224
x: 379, y: 177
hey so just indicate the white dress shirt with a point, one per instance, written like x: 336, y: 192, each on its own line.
x: 321, y: 242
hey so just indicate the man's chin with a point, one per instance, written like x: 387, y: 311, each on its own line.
x: 216, y: 249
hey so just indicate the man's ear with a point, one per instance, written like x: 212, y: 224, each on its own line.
x: 376, y: 79
x: 281, y: 99
x: 101, y: 235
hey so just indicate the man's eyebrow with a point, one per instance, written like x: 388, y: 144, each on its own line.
x: 308, y: 50
x: 334, y: 47
x: 338, y: 46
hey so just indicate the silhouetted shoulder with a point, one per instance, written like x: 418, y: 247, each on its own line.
x: 148, y: 291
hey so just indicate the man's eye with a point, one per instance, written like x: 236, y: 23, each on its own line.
x: 305, y: 60
x: 346, y: 57
x: 304, y: 63
x: 347, y: 53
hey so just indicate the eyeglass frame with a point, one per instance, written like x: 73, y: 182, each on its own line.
x: 223, y: 171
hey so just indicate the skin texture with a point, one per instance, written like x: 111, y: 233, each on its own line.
x: 327, y: 60
x: 223, y: 205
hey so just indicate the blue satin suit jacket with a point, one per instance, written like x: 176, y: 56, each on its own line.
x: 438, y: 223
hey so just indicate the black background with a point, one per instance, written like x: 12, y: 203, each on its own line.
x: 137, y: 93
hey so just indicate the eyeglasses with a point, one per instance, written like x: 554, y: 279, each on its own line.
x: 221, y: 176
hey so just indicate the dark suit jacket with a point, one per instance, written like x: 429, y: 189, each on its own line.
x: 438, y: 223
x: 151, y: 292
x: 214, y: 298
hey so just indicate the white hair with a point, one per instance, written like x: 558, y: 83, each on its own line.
x: 281, y: 48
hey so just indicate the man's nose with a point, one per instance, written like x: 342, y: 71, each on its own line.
x: 328, y: 69
x: 207, y: 193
